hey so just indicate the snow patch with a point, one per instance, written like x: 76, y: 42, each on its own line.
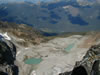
x: 5, y: 35
x: 18, y: 53
x: 21, y: 40
x: 33, y: 72
x: 26, y: 48
x: 56, y: 71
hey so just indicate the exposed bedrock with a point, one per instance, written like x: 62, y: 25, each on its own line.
x: 89, y: 64
x: 7, y: 58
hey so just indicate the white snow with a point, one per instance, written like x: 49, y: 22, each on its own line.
x: 57, y: 70
x: 5, y: 35
x: 26, y: 48
x: 33, y: 72
x: 21, y: 39
x: 18, y: 53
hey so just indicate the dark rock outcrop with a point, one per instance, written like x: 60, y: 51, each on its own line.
x: 90, y: 64
x: 7, y: 58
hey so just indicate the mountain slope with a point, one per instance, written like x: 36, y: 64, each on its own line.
x: 58, y: 55
x: 21, y: 31
x: 65, y: 50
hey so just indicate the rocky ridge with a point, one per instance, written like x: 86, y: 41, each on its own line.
x: 7, y: 58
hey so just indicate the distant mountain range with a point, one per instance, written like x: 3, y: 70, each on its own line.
x: 36, y: 1
x: 53, y: 15
x: 33, y: 1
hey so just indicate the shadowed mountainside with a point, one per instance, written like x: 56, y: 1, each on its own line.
x: 7, y: 58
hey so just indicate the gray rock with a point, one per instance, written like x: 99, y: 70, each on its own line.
x: 89, y: 64
x: 7, y: 58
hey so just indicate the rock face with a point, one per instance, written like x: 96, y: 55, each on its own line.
x: 7, y: 58
x: 89, y: 64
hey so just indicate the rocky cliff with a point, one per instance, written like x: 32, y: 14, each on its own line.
x: 89, y: 65
x: 7, y: 58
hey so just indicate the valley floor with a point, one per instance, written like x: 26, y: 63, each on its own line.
x: 58, y: 55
